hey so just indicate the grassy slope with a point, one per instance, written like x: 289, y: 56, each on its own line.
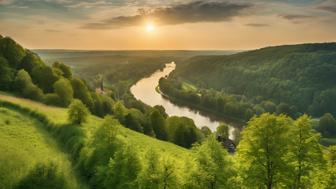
x: 138, y: 140
x: 23, y: 143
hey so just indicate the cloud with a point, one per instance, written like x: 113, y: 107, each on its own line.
x: 52, y: 31
x: 198, y: 11
x: 329, y: 8
x: 295, y: 16
x: 257, y: 25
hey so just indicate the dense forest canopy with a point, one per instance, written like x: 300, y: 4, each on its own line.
x: 302, y: 76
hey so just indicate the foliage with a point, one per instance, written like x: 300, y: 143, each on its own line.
x: 65, y: 70
x: 63, y: 89
x: 82, y: 92
x: 301, y: 76
x: 304, y: 153
x: 158, y: 123
x: 327, y: 125
x: 43, y: 176
x: 223, y: 131
x: 182, y: 131
x: 26, y: 87
x: 212, y: 166
x: 12, y: 51
x: 78, y: 112
x: 44, y: 76
x: 7, y: 75
x: 123, y: 169
x: 262, y: 151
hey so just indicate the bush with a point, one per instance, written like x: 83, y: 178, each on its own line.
x: 43, y: 176
x: 78, y: 112
x: 52, y: 99
x: 327, y: 125
x: 63, y: 89
x: 26, y: 87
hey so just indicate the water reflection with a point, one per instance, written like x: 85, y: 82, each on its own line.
x: 144, y: 90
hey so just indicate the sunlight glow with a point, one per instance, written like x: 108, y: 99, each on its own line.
x: 150, y: 27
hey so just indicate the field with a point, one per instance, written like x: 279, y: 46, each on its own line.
x: 23, y: 144
x: 25, y: 141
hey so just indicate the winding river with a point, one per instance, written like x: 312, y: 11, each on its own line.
x: 144, y: 90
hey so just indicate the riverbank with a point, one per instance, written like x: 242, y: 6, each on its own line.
x: 205, y: 111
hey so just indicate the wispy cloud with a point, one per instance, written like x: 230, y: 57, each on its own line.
x: 329, y: 8
x: 257, y: 25
x: 295, y: 16
x: 199, y: 11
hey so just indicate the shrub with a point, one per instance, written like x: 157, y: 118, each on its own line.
x: 63, y: 89
x: 78, y: 112
x: 43, y: 176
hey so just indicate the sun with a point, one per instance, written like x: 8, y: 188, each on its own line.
x: 150, y: 27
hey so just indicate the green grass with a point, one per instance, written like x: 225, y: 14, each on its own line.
x: 58, y: 119
x: 24, y: 143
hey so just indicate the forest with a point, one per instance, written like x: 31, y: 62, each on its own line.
x: 291, y: 79
x: 103, y: 141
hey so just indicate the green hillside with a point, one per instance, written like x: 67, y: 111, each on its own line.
x: 24, y: 143
x: 302, y: 76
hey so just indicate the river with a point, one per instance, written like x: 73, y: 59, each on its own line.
x: 144, y: 90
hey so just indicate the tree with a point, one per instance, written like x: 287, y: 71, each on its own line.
x: 262, y: 150
x: 44, y: 77
x: 223, y: 131
x: 213, y: 167
x: 7, y: 74
x: 305, y: 155
x: 65, y: 70
x: 157, y: 173
x: 149, y: 177
x: 168, y: 174
x: 158, y: 123
x: 206, y: 131
x: 63, y: 89
x: 132, y: 123
x: 162, y: 110
x: 182, y: 131
x: 123, y: 169
x: 82, y: 92
x: 30, y: 61
x: 12, y: 51
x: 26, y: 87
x: 327, y: 125
x: 77, y: 112
x: 119, y: 111
x: 327, y: 177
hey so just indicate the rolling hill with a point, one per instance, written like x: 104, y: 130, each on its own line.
x: 302, y: 76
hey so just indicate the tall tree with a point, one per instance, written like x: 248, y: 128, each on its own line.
x: 82, y: 92
x: 123, y: 169
x: 213, y: 167
x: 262, y: 151
x: 327, y: 177
x: 158, y: 123
x: 149, y: 178
x: 305, y: 155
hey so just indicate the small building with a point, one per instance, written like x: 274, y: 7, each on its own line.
x: 227, y: 143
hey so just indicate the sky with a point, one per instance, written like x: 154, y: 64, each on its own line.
x: 167, y: 24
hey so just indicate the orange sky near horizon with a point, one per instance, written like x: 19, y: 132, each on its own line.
x: 254, y: 26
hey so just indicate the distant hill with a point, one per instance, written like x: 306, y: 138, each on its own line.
x: 300, y: 75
